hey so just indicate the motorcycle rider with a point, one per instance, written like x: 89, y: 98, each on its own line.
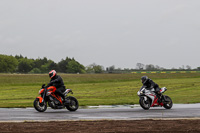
x: 148, y: 83
x: 57, y: 81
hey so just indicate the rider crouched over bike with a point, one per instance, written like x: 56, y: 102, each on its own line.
x: 57, y: 81
x: 149, y: 84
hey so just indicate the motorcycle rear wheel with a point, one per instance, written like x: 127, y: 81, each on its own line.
x: 145, y: 104
x: 73, y: 103
x: 169, y: 104
x: 38, y: 106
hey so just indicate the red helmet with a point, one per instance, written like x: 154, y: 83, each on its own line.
x: 52, y: 73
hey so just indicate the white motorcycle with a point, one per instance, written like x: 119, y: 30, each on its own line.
x: 148, y: 98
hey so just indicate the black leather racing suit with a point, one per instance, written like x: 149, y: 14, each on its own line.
x: 57, y: 81
x: 150, y: 84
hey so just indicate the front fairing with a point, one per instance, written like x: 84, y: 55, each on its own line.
x: 141, y: 92
x: 147, y: 93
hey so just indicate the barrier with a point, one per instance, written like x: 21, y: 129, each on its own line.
x: 163, y: 72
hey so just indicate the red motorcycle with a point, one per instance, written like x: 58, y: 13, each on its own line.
x: 54, y: 101
x: 148, y: 98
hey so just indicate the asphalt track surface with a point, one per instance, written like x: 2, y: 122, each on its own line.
x: 134, y: 112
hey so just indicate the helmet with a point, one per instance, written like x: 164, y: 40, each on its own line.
x: 52, y: 74
x: 144, y: 79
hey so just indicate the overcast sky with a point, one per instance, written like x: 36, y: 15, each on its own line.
x: 106, y: 32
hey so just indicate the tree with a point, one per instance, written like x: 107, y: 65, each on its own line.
x: 18, y: 57
x: 89, y: 69
x: 188, y: 67
x: 49, y: 65
x: 52, y: 66
x: 39, y: 62
x: 182, y: 68
x: 93, y: 68
x: 75, y: 67
x: 98, y: 69
x: 8, y: 63
x: 110, y: 69
x: 70, y: 66
x: 62, y: 65
x: 150, y: 67
x: 25, y: 65
x: 139, y: 66
x: 35, y: 70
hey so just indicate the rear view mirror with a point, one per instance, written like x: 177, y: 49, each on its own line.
x: 43, y: 85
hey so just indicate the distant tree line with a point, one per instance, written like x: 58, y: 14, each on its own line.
x: 151, y: 67
x: 148, y: 67
x: 20, y: 64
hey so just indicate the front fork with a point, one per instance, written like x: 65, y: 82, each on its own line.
x: 165, y: 100
x: 145, y: 99
x: 41, y: 99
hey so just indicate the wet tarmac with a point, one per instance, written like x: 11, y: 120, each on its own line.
x: 114, y: 112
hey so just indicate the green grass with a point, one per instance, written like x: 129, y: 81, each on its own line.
x: 20, y: 90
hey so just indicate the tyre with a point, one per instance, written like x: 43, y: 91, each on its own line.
x: 168, y: 102
x: 38, y: 106
x: 145, y: 104
x: 73, y: 103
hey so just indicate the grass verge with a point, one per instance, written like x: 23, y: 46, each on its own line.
x: 20, y: 90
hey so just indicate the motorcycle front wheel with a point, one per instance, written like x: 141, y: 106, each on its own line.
x: 73, y: 103
x: 38, y: 106
x: 168, y: 103
x: 145, y: 104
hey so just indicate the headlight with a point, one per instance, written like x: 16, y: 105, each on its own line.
x: 40, y: 91
x: 139, y: 93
